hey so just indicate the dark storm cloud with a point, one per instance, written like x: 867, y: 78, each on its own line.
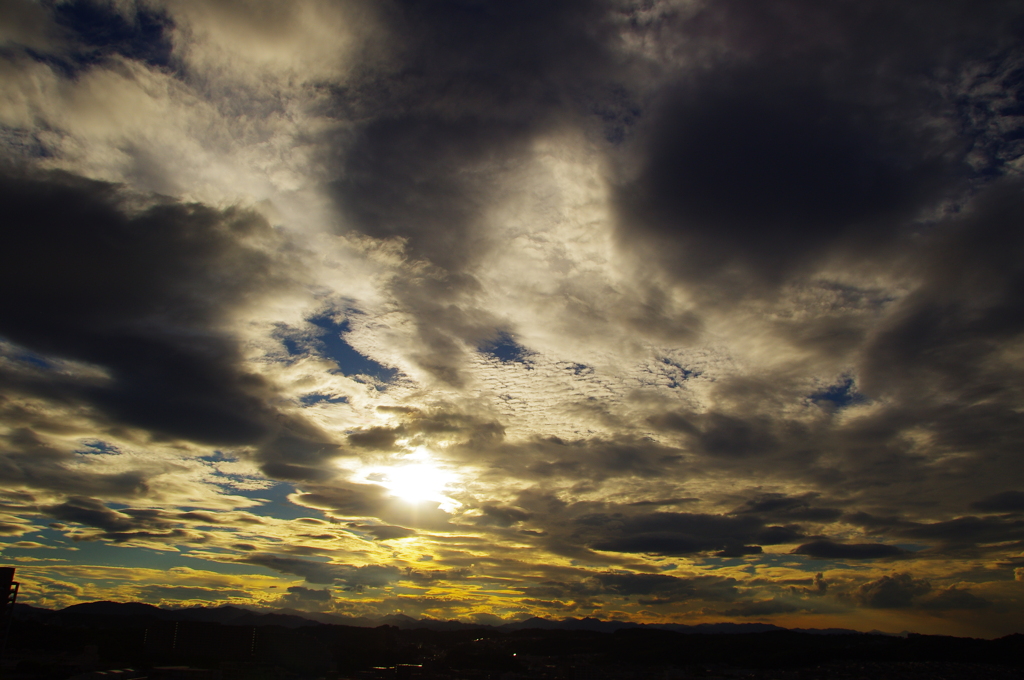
x: 436, y: 138
x: 740, y: 551
x: 95, y: 513
x: 751, y: 171
x: 127, y: 524
x: 738, y: 435
x: 945, y: 337
x: 140, y: 291
x: 671, y: 533
x: 779, y: 506
x: 426, y: 180
x: 663, y: 588
x: 965, y: 530
x: 599, y: 458
x: 664, y: 502
x: 29, y: 461
x: 299, y: 597
x: 1007, y: 501
x: 648, y: 589
x: 728, y: 436
x: 958, y: 534
x: 545, y: 459
x: 813, y: 133
x: 473, y: 82
x: 503, y: 516
x: 371, y: 575
x: 829, y: 550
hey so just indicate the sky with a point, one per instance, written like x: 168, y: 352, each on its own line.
x: 649, y: 310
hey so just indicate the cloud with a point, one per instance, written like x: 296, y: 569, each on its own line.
x: 765, y: 117
x: 954, y: 598
x: 958, y: 534
x: 371, y: 500
x: 1007, y: 501
x: 818, y: 587
x: 421, y: 179
x: 828, y: 550
x: 780, y: 506
x: 666, y: 533
x: 98, y: 30
x: 813, y: 170
x: 643, y: 288
x: 354, y: 577
x: 888, y: 592
x: 967, y: 293
x: 186, y: 593
x: 141, y: 293
x: 762, y: 608
x: 29, y: 26
x: 310, y: 41
x: 384, y: 532
x: 740, y: 551
x: 35, y: 462
x: 94, y: 513
x: 663, y: 589
x: 649, y: 589
x: 305, y: 599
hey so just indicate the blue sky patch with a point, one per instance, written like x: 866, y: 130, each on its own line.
x: 276, y: 503
x: 25, y: 356
x: 506, y: 350
x: 332, y: 345
x: 841, y: 394
x: 311, y: 399
x: 102, y: 31
x: 678, y: 373
x: 97, y: 447
x: 329, y: 342
x: 578, y: 369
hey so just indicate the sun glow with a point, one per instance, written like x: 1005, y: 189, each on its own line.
x: 417, y: 482
x: 417, y: 479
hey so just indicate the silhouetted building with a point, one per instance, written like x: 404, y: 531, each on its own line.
x: 9, y: 595
x: 8, y: 592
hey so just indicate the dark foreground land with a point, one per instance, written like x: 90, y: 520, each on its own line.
x: 124, y: 645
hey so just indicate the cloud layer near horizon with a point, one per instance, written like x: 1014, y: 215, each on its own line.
x: 670, y: 310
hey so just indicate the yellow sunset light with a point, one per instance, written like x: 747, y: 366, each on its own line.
x: 418, y: 480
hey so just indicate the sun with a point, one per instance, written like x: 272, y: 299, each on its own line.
x: 417, y: 478
x: 417, y: 482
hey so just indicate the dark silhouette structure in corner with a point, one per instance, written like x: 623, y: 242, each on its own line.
x: 9, y: 593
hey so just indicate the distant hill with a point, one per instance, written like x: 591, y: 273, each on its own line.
x: 93, y: 613
x: 268, y: 644
x: 597, y: 625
